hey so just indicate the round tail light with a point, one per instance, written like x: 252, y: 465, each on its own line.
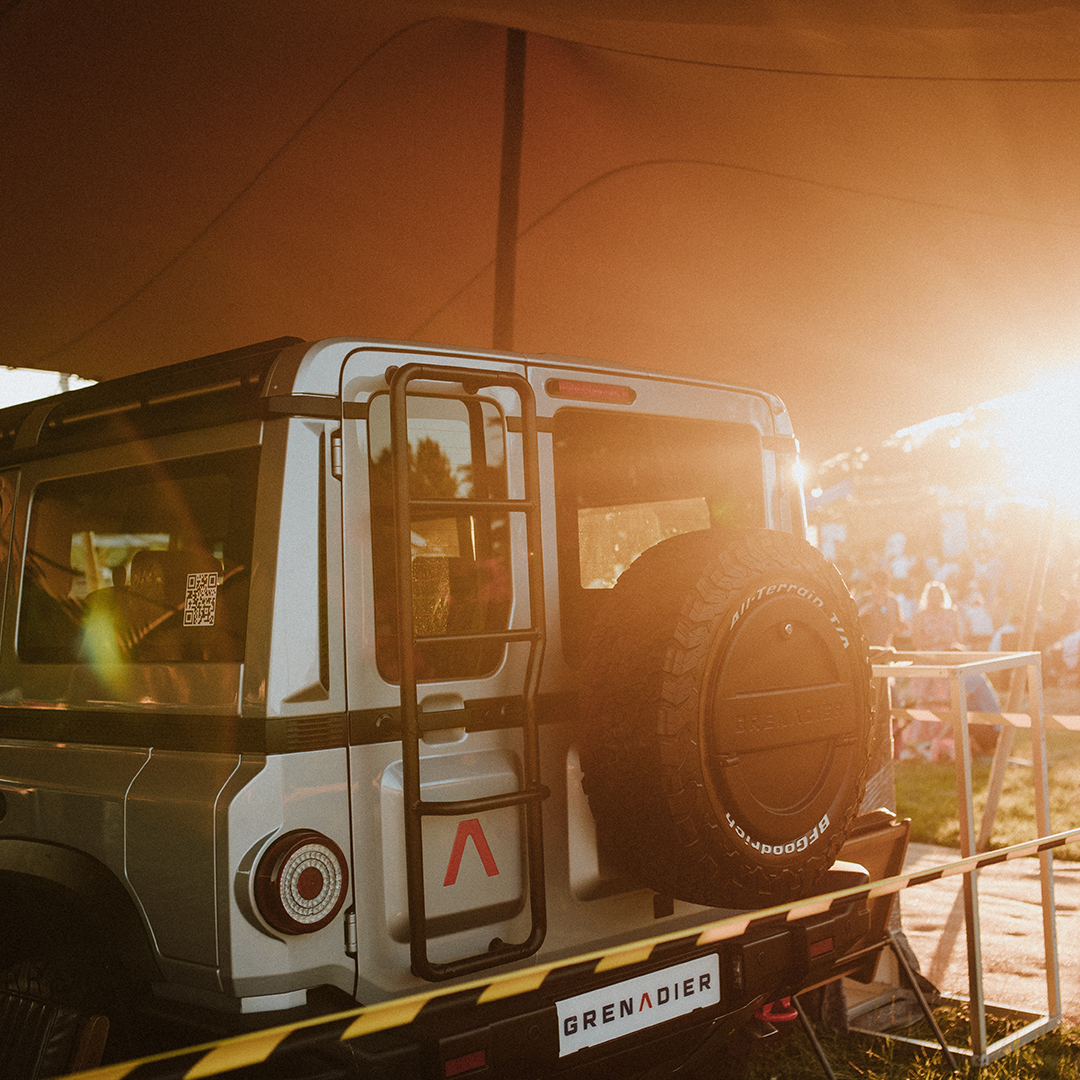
x: 301, y: 882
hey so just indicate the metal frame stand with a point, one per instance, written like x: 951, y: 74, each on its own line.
x: 954, y: 666
x: 892, y: 944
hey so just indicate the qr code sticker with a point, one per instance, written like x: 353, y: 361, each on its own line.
x: 200, y: 601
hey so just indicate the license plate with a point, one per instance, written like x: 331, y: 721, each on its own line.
x: 636, y: 1004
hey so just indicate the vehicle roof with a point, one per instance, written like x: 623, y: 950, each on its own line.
x: 285, y: 374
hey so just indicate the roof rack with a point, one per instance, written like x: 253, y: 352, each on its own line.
x: 227, y: 386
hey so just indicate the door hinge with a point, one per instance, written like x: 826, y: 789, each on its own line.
x: 350, y: 932
x: 335, y: 454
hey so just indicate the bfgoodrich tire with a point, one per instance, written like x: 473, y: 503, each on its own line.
x: 726, y: 718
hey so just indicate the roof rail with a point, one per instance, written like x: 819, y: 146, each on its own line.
x: 227, y: 384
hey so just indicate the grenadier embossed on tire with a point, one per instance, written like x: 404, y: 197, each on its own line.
x: 331, y: 671
x: 729, y: 772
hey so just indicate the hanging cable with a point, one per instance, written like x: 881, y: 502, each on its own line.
x: 811, y: 73
x: 260, y: 173
x: 824, y: 185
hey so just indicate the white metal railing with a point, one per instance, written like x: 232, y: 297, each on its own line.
x: 955, y: 666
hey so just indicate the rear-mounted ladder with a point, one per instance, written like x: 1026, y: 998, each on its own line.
x: 532, y: 792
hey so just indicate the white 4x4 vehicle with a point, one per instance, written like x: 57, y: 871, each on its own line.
x: 332, y: 671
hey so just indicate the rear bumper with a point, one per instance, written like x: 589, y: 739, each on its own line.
x: 487, y: 1031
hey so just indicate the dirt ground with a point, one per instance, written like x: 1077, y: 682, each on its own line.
x: 1011, y: 930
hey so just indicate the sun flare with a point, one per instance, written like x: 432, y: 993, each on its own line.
x: 1038, y: 433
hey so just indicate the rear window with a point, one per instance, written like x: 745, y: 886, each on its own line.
x: 460, y: 555
x: 624, y: 483
x: 142, y: 565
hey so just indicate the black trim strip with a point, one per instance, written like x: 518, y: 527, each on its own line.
x: 320, y: 408
x: 369, y: 726
x: 324, y: 586
x: 176, y: 731
x: 545, y: 424
x: 278, y: 735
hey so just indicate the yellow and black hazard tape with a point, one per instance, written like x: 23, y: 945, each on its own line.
x: 218, y: 1058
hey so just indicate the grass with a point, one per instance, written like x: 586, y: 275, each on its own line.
x: 927, y: 794
x: 787, y: 1056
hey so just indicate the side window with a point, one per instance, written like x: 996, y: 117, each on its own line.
x: 460, y: 558
x: 144, y: 565
x: 624, y: 483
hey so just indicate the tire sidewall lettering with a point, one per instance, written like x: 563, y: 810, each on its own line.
x: 790, y: 847
x: 802, y: 592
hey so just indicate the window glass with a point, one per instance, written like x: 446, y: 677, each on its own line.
x: 624, y: 483
x: 610, y: 538
x: 460, y: 559
x: 7, y: 517
x: 145, y: 565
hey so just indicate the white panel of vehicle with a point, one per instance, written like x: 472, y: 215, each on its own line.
x: 473, y: 871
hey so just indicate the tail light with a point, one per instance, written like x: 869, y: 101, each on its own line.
x: 301, y: 882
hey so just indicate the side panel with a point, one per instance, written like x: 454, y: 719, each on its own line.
x: 265, y: 799
x: 296, y: 661
x: 474, y: 872
x: 69, y: 795
x: 170, y: 849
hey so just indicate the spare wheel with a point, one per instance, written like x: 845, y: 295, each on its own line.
x: 725, y: 719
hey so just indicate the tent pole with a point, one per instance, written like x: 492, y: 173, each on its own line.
x: 509, y: 187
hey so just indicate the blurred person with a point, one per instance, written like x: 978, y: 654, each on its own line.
x: 938, y: 627
x: 977, y: 620
x: 1068, y: 621
x: 1061, y: 659
x: 935, y: 627
x: 989, y: 568
x: 880, y: 613
x: 1002, y: 635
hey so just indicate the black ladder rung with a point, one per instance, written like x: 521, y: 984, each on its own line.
x: 456, y: 807
x: 530, y: 633
x: 456, y: 505
x: 500, y: 953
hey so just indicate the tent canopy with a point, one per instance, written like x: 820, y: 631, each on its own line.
x: 871, y: 210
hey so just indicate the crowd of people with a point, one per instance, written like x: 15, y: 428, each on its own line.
x: 971, y: 602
